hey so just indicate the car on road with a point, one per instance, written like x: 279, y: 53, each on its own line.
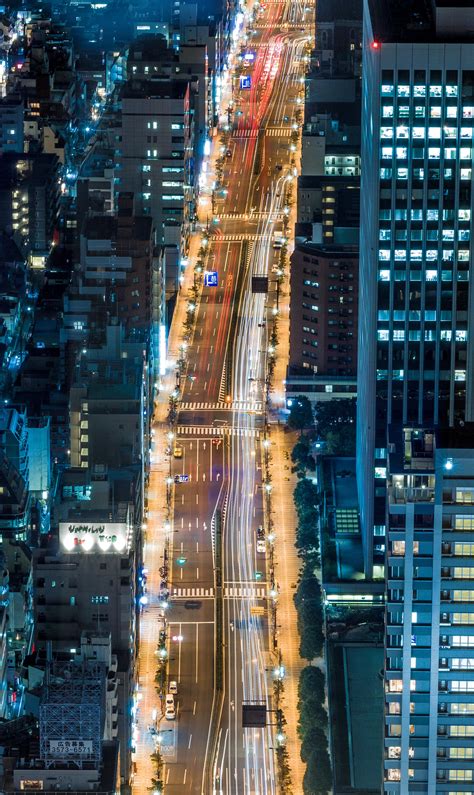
x: 178, y: 452
x: 170, y: 708
x: 173, y: 688
x: 192, y: 604
x: 228, y: 153
x: 260, y: 532
x: 261, y: 549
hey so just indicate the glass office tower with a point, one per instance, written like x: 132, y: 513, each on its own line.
x: 416, y: 223
x: 415, y: 444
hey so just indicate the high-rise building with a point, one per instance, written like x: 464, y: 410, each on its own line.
x: 416, y: 224
x: 155, y: 160
x: 415, y: 442
x: 29, y: 200
x: 323, y: 311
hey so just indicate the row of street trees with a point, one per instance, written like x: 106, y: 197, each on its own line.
x: 313, y: 721
x: 312, y: 728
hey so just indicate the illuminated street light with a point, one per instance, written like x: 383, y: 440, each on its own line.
x: 280, y: 738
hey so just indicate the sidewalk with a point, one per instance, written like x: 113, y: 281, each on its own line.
x: 287, y: 570
x: 150, y: 622
x: 285, y: 521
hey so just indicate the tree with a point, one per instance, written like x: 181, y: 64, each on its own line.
x: 336, y: 424
x: 341, y: 442
x: 301, y: 414
x: 308, y: 589
x: 331, y: 414
x: 305, y: 496
x: 318, y: 777
x: 314, y: 739
x: 310, y: 614
x: 306, y: 536
x: 301, y: 455
x: 311, y: 683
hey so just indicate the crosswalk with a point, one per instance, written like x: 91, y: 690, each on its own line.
x: 230, y: 592
x: 244, y: 592
x: 240, y: 236
x: 274, y: 132
x: 250, y: 216
x: 192, y: 593
x: 235, y: 405
x: 245, y: 133
x: 210, y: 430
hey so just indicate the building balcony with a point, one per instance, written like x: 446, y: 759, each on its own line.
x: 399, y: 495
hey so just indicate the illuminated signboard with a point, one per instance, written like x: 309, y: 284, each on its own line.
x: 210, y: 279
x: 88, y: 536
x: 245, y: 81
x: 70, y: 747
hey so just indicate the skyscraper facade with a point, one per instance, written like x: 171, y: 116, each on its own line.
x: 416, y: 225
x: 415, y: 444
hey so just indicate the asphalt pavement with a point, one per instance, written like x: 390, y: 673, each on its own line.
x: 220, y: 428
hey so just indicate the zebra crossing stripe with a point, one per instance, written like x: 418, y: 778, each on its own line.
x: 237, y: 405
x: 181, y: 593
x: 236, y: 592
x: 206, y: 430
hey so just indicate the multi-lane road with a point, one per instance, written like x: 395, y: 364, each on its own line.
x: 219, y: 431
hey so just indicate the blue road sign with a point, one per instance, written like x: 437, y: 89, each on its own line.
x: 245, y: 81
x: 210, y: 279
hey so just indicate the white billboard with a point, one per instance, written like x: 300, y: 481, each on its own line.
x: 70, y: 747
x: 93, y: 536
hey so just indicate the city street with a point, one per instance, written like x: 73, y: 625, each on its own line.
x: 217, y: 452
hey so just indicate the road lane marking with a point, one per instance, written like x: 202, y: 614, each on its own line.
x: 179, y: 656
x: 194, y: 708
x: 190, y: 740
x: 197, y: 651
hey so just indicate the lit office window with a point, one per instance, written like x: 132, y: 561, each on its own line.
x: 461, y: 753
x: 463, y: 641
x: 461, y: 731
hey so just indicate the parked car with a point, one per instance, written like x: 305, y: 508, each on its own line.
x: 170, y: 708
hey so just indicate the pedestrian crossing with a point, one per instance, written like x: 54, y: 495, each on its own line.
x: 230, y: 592
x: 245, y: 133
x: 238, y: 237
x: 275, y: 132
x: 272, y: 131
x: 210, y: 430
x: 250, y: 216
x: 235, y: 405
x: 244, y: 592
x: 192, y: 593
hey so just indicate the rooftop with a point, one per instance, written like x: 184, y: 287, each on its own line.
x: 422, y: 21
x: 155, y: 89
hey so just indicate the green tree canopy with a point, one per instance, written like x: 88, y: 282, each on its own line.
x: 331, y: 414
x: 301, y: 414
x: 318, y: 778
